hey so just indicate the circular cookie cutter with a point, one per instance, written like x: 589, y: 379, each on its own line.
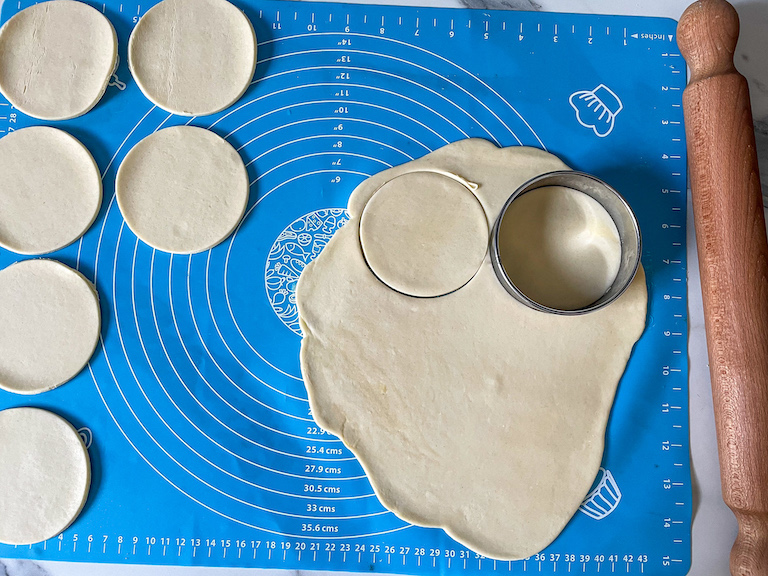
x: 616, y: 207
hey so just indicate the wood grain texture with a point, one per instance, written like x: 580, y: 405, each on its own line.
x: 733, y: 259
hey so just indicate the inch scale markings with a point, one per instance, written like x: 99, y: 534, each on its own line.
x: 674, y: 445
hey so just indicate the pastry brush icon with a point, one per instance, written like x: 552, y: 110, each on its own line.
x: 596, y: 109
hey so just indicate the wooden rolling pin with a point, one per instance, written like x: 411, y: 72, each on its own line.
x: 733, y: 259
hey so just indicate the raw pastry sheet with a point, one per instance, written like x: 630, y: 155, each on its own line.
x: 202, y: 446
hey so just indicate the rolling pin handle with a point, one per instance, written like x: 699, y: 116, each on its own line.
x: 707, y: 36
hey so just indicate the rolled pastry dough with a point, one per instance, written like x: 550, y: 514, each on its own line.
x: 56, y: 59
x: 46, y: 475
x: 471, y: 411
x: 193, y: 57
x: 50, y: 190
x: 49, y: 325
x: 182, y: 189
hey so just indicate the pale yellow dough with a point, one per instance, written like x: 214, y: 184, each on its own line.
x: 435, y: 228
x: 182, y: 189
x: 49, y: 325
x: 56, y: 59
x: 471, y: 411
x: 46, y: 475
x: 50, y: 190
x: 193, y: 57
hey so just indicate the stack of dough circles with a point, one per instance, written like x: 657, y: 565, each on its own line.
x: 49, y: 325
x: 193, y: 57
x: 56, y: 59
x: 46, y: 475
x: 50, y: 190
x: 424, y: 233
x: 182, y: 189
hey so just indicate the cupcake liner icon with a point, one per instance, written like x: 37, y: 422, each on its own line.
x: 596, y: 109
x: 603, y: 498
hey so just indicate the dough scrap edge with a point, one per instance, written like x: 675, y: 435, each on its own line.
x: 449, y: 160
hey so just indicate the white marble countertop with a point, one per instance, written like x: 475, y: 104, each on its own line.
x: 714, y: 527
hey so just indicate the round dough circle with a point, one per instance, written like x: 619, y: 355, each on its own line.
x: 50, y: 190
x: 49, y: 325
x: 424, y: 234
x: 56, y: 59
x: 182, y: 189
x: 193, y: 57
x: 46, y: 475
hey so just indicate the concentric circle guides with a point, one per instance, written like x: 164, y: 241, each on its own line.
x: 206, y: 381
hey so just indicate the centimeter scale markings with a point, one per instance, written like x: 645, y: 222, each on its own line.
x: 317, y: 543
x: 379, y: 555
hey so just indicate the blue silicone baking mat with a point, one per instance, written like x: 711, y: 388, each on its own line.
x: 203, y: 447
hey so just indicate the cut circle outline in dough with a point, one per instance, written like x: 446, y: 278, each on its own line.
x: 382, y: 246
x: 47, y: 475
x: 50, y: 323
x: 74, y: 33
x: 51, y: 190
x: 171, y: 71
x: 182, y: 189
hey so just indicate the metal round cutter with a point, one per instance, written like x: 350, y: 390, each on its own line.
x: 619, y: 211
